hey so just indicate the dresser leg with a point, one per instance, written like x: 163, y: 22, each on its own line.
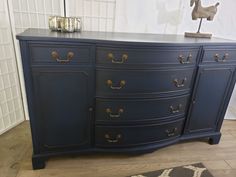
x: 215, y: 139
x: 38, y: 163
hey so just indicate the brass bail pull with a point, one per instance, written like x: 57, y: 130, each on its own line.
x: 181, y: 83
x: 111, y: 57
x: 114, y: 115
x: 223, y: 59
x: 171, y: 132
x: 175, y: 109
x: 120, y: 86
x: 56, y: 57
x: 115, y: 139
x: 182, y: 59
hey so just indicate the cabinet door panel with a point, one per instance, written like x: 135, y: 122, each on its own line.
x: 63, y: 100
x: 209, y: 98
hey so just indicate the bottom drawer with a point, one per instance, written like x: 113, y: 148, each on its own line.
x: 107, y: 136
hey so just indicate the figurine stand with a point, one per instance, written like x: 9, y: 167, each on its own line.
x: 198, y: 34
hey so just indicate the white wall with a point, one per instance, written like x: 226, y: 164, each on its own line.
x: 97, y: 15
x: 173, y: 16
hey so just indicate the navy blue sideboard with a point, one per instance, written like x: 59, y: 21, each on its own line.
x: 121, y: 92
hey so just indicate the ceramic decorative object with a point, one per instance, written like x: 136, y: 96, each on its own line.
x: 64, y: 24
x: 200, y: 12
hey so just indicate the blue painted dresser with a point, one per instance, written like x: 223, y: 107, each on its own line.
x: 121, y: 92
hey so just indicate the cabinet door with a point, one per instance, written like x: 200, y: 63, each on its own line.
x: 62, y: 100
x: 209, y: 98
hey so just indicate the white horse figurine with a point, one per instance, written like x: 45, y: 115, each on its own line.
x: 203, y: 12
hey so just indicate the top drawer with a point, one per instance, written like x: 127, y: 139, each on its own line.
x: 121, y: 56
x: 64, y: 53
x: 219, y: 54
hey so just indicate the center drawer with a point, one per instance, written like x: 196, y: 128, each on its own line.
x: 130, y: 110
x: 142, y: 82
x: 150, y: 56
x: 121, y: 136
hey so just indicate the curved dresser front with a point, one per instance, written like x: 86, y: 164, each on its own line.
x: 123, y: 93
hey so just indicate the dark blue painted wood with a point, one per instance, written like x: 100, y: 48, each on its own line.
x: 143, y: 82
x: 135, y: 39
x: 30, y: 98
x: 141, y: 57
x: 123, y: 136
x: 140, y: 110
x: 219, y: 54
x: 40, y: 53
x: 67, y: 101
x: 209, y: 97
x: 63, y: 100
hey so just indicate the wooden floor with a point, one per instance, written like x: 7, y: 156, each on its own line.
x: 16, y: 149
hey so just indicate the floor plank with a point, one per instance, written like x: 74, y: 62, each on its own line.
x: 16, y: 150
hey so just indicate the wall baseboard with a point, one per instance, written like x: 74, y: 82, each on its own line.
x: 10, y: 127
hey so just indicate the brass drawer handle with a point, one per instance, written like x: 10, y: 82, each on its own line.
x: 171, y: 132
x: 56, y: 57
x: 178, y: 83
x: 182, y: 59
x: 111, y: 57
x: 175, y: 110
x: 112, y: 115
x: 121, y: 84
x: 116, y: 139
x: 224, y: 58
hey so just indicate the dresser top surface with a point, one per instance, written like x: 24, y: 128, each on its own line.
x: 104, y: 37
